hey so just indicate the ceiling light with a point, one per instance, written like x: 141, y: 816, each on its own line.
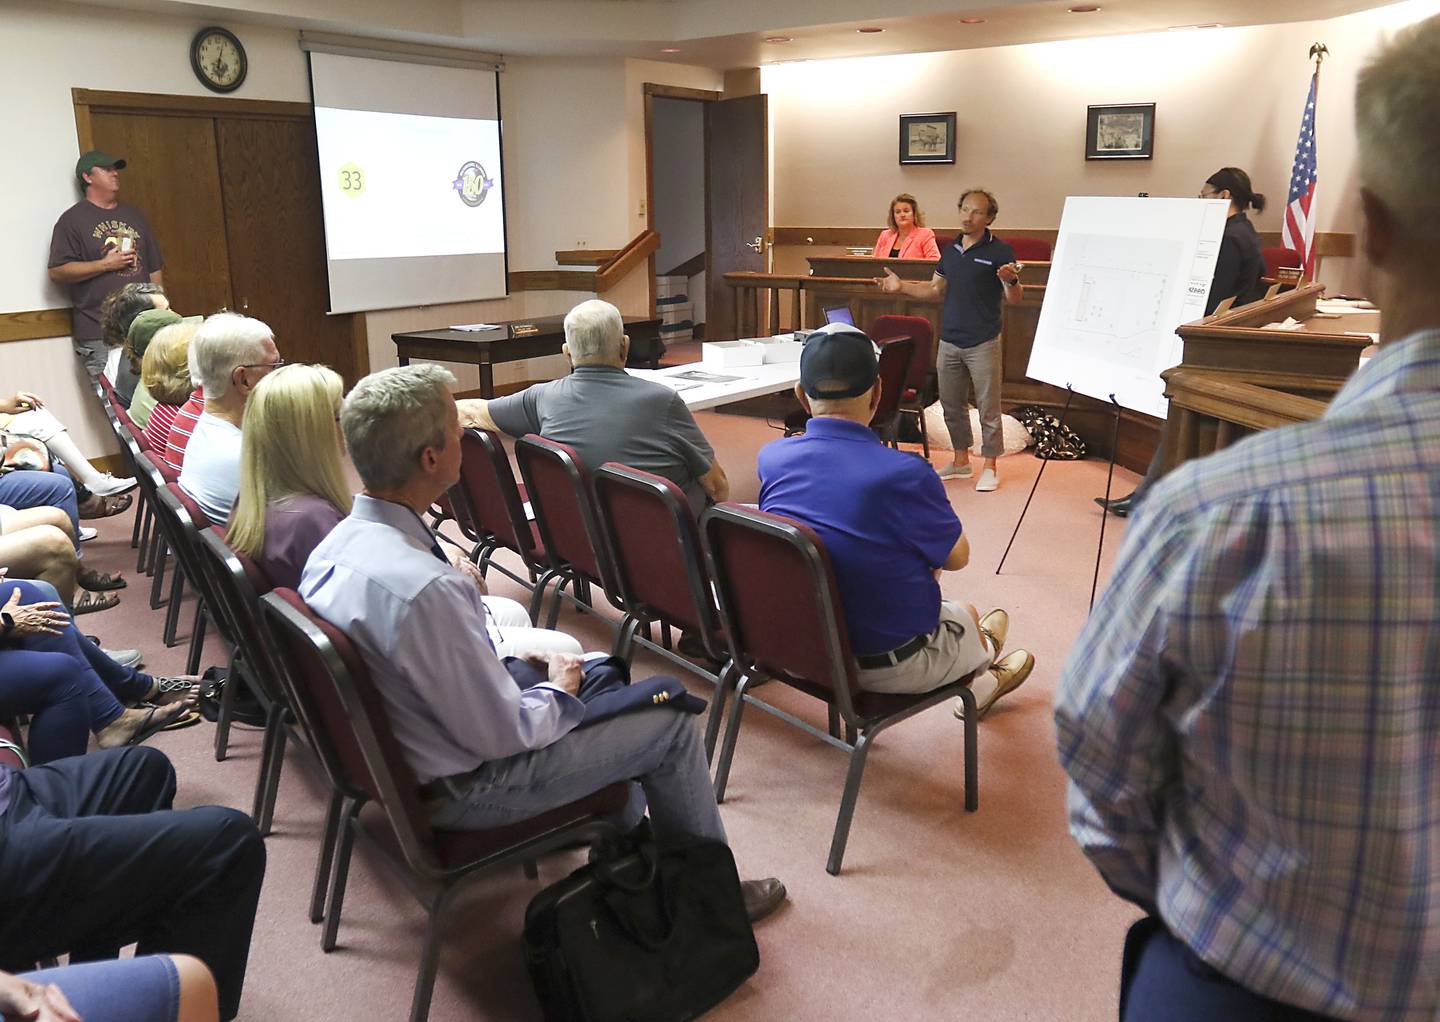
x: 1085, y: 9
x: 869, y: 30
x: 1192, y: 28
x: 779, y: 39
x: 972, y: 21
x: 670, y: 49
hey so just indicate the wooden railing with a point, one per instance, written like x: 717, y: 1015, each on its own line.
x: 609, y: 271
x: 1209, y: 411
x: 755, y: 293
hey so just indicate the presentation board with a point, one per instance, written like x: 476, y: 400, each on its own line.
x: 1126, y: 272
x: 410, y: 182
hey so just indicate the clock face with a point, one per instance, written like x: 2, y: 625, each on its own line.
x: 218, y: 59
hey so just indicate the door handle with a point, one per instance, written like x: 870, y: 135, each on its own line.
x: 758, y: 244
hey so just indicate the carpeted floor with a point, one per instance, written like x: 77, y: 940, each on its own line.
x: 939, y: 914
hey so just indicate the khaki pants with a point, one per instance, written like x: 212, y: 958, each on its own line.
x: 955, y: 650
x: 972, y: 376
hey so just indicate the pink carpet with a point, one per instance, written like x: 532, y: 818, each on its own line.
x: 939, y: 914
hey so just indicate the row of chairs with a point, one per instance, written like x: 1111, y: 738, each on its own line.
x: 756, y: 591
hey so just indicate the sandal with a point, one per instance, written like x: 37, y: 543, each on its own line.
x: 89, y: 602
x: 156, y: 720
x: 98, y: 581
x: 97, y: 506
x: 174, y: 690
x: 183, y: 721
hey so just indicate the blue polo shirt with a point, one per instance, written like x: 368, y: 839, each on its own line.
x: 973, y: 293
x: 883, y: 517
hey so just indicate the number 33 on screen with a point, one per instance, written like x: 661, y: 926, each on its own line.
x: 352, y: 180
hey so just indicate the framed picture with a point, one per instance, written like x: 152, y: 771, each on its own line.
x: 927, y: 138
x: 1119, y: 131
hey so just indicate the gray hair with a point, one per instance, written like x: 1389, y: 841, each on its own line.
x: 595, y: 333
x: 390, y: 417
x: 1397, y: 119
x: 221, y: 344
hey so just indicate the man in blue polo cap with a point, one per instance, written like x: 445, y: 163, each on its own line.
x: 889, y: 529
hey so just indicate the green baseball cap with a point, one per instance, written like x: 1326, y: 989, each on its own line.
x: 95, y: 158
x: 146, y: 325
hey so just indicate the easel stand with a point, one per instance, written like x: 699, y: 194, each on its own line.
x: 1109, y: 477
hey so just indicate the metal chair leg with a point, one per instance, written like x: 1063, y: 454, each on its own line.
x: 972, y: 754
x: 327, y: 856
x: 157, y: 584
x: 172, y: 609
x: 665, y: 638
x: 723, y: 686
x: 146, y: 538
x: 226, y: 713
x: 732, y: 732
x: 429, y: 958
x: 197, y: 637
x: 532, y: 871
x: 537, y: 597
x: 625, y: 639
x: 847, y: 804
x: 272, y: 759
x: 924, y: 436
x: 834, y: 721
x: 339, y: 874
x: 141, y: 507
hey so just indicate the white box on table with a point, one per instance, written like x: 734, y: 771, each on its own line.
x: 782, y: 348
x: 731, y: 354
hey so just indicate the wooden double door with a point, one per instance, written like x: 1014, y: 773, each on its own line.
x: 232, y: 191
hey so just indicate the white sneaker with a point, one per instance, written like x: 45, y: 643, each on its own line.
x: 957, y: 472
x: 87, y: 533
x: 988, y: 481
x: 108, y: 485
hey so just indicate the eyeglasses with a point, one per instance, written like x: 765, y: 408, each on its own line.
x: 278, y: 363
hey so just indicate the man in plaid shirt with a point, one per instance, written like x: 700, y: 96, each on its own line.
x: 1251, y: 719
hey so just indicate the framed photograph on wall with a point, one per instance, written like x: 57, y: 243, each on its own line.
x: 927, y: 138
x: 1120, y: 131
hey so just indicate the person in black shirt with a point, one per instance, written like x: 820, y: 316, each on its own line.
x: 1238, y: 270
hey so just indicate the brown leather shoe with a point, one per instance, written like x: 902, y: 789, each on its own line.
x: 761, y: 897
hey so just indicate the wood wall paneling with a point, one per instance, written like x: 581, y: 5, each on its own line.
x: 271, y: 194
x: 551, y: 280
x: 34, y: 325
x: 171, y: 174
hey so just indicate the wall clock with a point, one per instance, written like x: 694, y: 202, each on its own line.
x: 218, y: 59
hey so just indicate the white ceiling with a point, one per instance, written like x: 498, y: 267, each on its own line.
x: 731, y: 33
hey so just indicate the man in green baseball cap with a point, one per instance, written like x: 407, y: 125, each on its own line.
x: 99, y: 245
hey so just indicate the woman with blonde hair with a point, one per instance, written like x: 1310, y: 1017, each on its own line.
x: 165, y: 373
x: 907, y: 237
x: 292, y: 480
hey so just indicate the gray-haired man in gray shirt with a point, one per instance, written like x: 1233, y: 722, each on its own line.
x: 608, y: 415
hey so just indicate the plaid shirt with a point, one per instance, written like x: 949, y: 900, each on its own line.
x: 1251, y: 718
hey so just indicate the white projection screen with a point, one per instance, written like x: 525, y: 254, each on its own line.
x: 410, y: 181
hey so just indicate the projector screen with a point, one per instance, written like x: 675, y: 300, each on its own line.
x: 410, y: 182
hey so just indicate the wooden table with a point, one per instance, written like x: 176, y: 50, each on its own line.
x: 488, y: 348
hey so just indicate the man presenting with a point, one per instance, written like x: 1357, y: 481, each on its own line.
x: 973, y: 275
x: 1248, y: 718
x: 99, y: 245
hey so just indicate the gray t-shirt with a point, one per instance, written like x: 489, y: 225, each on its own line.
x: 608, y: 415
x: 83, y: 234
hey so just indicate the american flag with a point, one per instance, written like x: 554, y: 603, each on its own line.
x: 1299, y: 230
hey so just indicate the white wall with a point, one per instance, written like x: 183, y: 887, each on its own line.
x: 1223, y: 97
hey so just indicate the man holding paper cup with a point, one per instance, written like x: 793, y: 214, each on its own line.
x: 99, y: 245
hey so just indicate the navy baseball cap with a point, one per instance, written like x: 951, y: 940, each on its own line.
x: 838, y: 361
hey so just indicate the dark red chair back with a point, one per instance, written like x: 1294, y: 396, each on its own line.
x: 1277, y: 257
x: 1031, y: 250
x: 918, y: 329
x: 487, y: 502
x: 895, y: 361
x: 238, y: 583
x: 655, y: 545
x: 559, y: 492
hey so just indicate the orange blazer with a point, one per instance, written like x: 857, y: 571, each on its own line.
x: 920, y: 244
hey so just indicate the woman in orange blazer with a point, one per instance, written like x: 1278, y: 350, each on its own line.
x: 906, y: 237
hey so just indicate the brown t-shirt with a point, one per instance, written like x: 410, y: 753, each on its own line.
x: 83, y: 234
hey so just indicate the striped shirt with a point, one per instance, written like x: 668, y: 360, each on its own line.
x: 1250, y: 718
x: 157, y: 428
x: 180, y: 429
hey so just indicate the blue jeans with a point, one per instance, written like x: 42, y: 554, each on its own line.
x: 25, y: 489
x: 143, y: 989
x: 660, y: 749
x: 65, y: 682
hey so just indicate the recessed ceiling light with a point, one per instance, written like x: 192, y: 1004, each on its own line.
x: 670, y: 49
x: 1085, y: 9
x: 1192, y: 28
x: 869, y: 30
x: 779, y: 39
x: 972, y: 21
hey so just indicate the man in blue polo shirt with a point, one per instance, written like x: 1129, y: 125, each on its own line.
x: 889, y: 529
x: 973, y: 276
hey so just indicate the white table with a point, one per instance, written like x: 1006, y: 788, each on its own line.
x: 750, y: 381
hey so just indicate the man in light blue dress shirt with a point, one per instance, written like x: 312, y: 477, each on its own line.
x: 495, y: 753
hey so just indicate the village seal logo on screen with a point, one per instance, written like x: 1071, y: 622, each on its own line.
x: 472, y: 184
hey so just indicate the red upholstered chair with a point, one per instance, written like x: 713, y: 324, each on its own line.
x: 560, y: 496
x: 336, y: 697
x: 782, y: 615
x: 1277, y: 257
x: 920, y: 381
x: 660, y: 572
x: 1031, y: 250
x: 896, y: 358
x: 490, y: 510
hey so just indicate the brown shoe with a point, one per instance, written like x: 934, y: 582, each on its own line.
x: 761, y: 897
x: 995, y: 625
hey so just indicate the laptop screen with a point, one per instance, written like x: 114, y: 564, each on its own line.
x: 839, y: 314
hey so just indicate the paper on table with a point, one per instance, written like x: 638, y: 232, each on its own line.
x: 1288, y: 323
x: 476, y: 326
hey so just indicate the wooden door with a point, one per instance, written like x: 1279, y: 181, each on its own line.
x: 271, y: 194
x: 171, y: 173
x: 737, y: 209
